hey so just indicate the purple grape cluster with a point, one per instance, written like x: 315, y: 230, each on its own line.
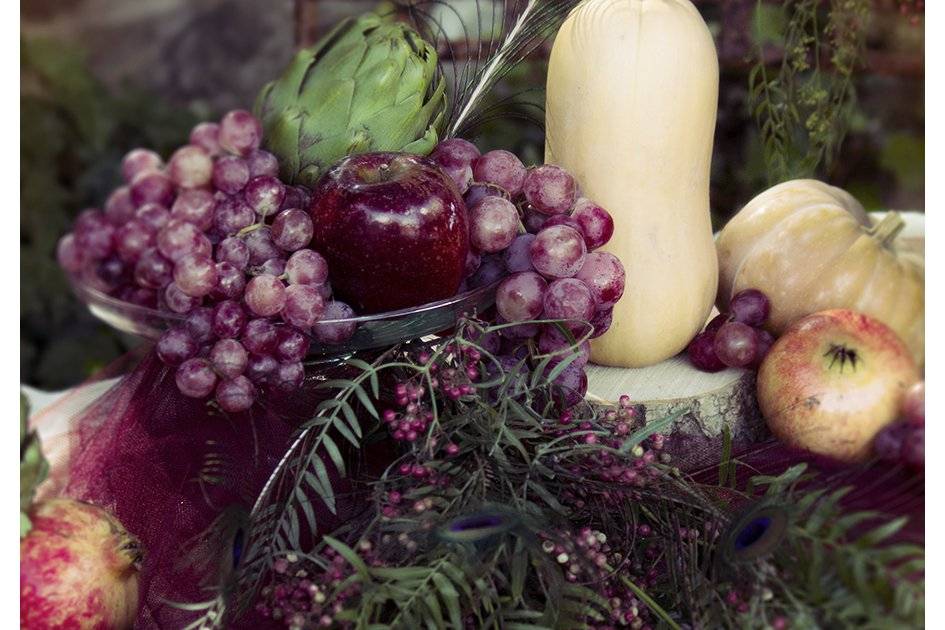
x: 213, y: 235
x: 532, y: 227
x: 736, y: 338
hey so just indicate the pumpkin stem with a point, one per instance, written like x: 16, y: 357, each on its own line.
x: 888, y: 229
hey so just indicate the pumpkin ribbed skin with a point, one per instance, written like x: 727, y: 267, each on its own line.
x: 810, y: 247
x: 630, y: 112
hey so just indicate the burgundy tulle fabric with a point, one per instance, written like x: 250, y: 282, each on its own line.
x: 169, y: 466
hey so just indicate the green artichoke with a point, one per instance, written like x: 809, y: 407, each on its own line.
x: 368, y: 85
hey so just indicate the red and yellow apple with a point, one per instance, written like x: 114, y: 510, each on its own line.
x: 832, y: 381
x: 78, y: 569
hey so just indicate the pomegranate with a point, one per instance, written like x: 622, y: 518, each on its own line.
x: 78, y: 569
x: 832, y: 382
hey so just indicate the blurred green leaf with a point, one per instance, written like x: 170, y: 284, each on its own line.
x: 904, y: 156
x: 768, y: 24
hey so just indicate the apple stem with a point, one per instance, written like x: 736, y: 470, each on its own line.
x: 888, y: 228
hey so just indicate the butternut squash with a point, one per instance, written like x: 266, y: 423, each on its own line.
x: 631, y: 104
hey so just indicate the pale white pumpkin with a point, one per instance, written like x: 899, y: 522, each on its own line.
x: 631, y: 107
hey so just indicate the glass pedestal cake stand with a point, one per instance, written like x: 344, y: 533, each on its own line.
x: 372, y: 332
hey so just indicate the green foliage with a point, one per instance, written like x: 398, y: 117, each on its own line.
x: 804, y: 109
x: 73, y: 133
x: 33, y: 466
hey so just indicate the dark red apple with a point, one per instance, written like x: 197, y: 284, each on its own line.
x: 393, y: 228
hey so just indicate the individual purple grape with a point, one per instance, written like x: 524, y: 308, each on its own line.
x: 533, y: 220
x: 69, y: 254
x: 549, y: 189
x: 229, y: 358
x: 207, y: 136
x: 194, y: 206
x: 272, y: 267
x: 888, y: 443
x: 153, y: 271
x: 569, y: 299
x: 230, y: 174
x: 604, y: 275
x: 518, y: 333
x: 491, y: 270
x: 303, y: 306
x: 553, y: 341
x: 240, y: 132
x: 262, y: 163
x: 765, y: 341
x: 265, y: 295
x: 601, y: 322
x: 235, y: 395
x: 501, y: 168
x: 493, y: 224
x: 558, y: 252
x: 750, y: 306
x: 292, y: 345
x: 913, y: 447
x: 718, y: 321
x: 306, y: 266
x: 324, y: 290
x: 455, y: 152
x: 261, y: 246
x: 287, y: 377
x: 195, y: 378
x: 736, y: 344
x: 264, y: 195
x: 462, y: 176
x: 292, y: 229
x: 329, y: 331
x: 175, y: 346
x: 520, y: 297
x: 230, y: 282
x: 132, y: 239
x: 138, y: 161
x: 119, y: 208
x: 701, y: 351
x: 571, y: 386
x: 295, y: 197
x: 259, y: 367
x: 478, y: 191
x: 562, y: 219
x: 89, y: 218
x: 140, y: 296
x: 596, y: 224
x: 152, y: 187
x: 473, y: 260
x: 233, y: 250
x: 232, y: 214
x: 488, y: 341
x: 179, y: 239
x: 113, y: 272
x: 199, y: 323
x: 153, y: 216
x: 190, y: 167
x: 177, y: 301
x: 260, y: 336
x: 94, y: 236
x: 229, y: 318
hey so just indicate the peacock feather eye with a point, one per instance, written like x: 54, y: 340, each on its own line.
x: 756, y: 533
x: 478, y: 527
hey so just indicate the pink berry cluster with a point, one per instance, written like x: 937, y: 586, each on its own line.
x: 215, y: 239
x: 451, y: 376
x: 736, y: 338
x: 550, y: 269
x: 586, y: 556
x: 301, y: 599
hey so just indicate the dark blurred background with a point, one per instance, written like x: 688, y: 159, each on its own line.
x: 100, y: 77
